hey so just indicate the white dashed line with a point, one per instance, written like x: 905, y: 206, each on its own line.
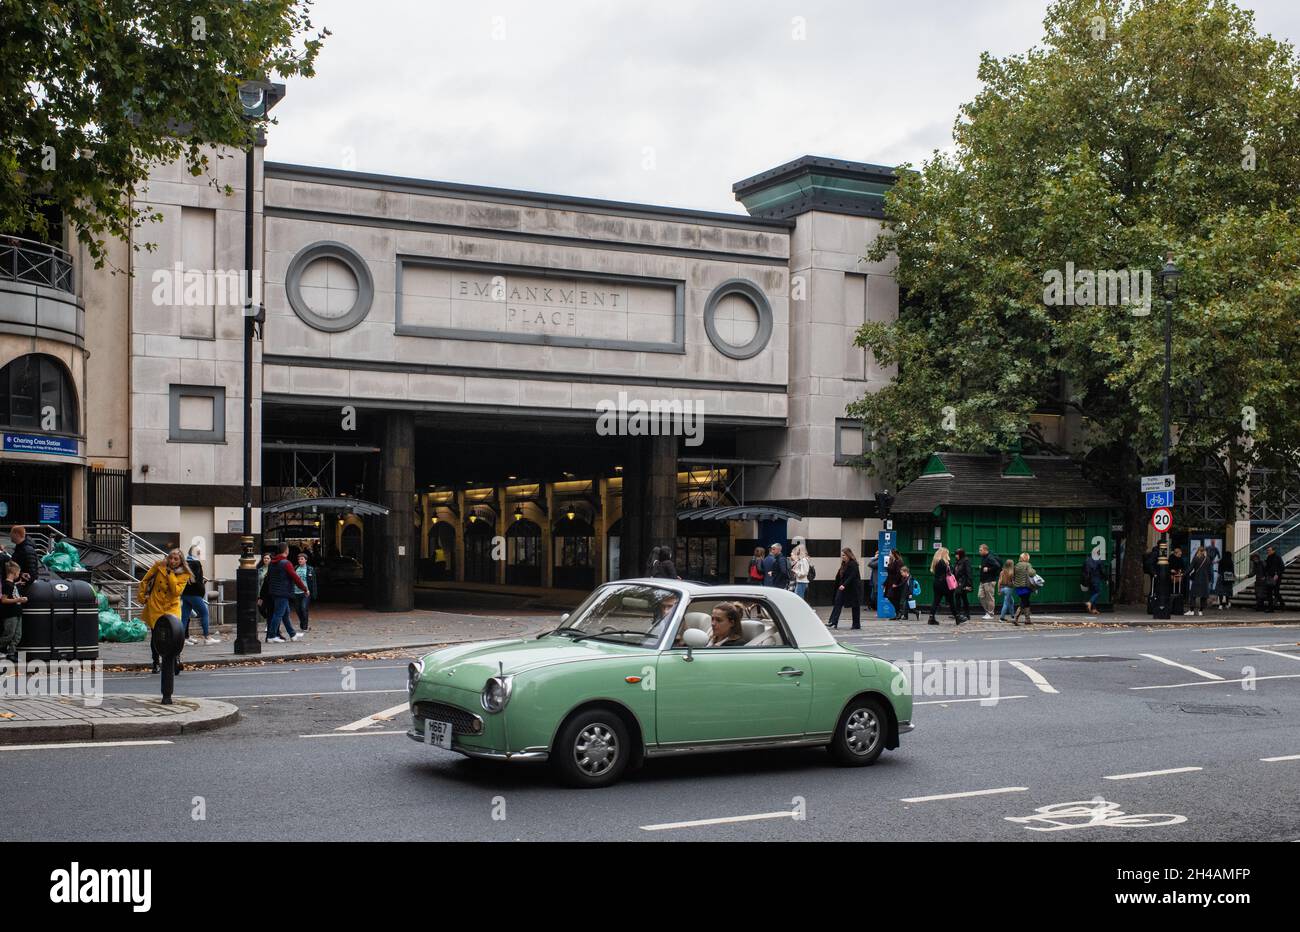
x: 1182, y: 666
x: 986, y: 700
x: 1151, y: 773
x: 1034, y: 676
x: 80, y: 744
x: 787, y: 814
x: 1274, y: 760
x: 374, y: 719
x: 1275, y: 653
x: 352, y: 734
x: 321, y: 692
x: 930, y: 799
x: 1217, y: 682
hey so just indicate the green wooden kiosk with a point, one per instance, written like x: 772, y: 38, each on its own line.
x: 1040, y: 505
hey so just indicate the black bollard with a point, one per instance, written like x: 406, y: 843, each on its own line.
x: 168, y: 641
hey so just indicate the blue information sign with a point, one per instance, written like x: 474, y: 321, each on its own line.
x: 51, y: 513
x: 884, y: 607
x: 1160, y: 500
x: 38, y: 443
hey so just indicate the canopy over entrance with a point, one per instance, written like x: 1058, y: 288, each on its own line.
x: 355, y: 506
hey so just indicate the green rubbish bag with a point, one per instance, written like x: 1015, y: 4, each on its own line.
x: 113, y: 628
x: 63, y: 557
x: 102, y: 599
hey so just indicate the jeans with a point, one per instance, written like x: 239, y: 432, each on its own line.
x: 280, y: 611
x: 1094, y: 594
x: 199, y: 606
x: 800, y: 588
x: 12, y: 634
x: 1008, y: 601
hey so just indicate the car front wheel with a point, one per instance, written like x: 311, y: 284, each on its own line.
x: 592, y: 749
x: 860, y: 735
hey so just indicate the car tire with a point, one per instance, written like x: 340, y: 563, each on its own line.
x: 592, y: 749
x: 860, y: 733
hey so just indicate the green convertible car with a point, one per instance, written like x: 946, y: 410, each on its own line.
x: 652, y: 667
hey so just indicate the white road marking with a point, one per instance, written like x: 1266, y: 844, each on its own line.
x: 1009, y: 637
x: 987, y: 700
x: 1211, y: 650
x: 1275, y: 653
x: 80, y: 744
x: 320, y: 692
x: 1151, y: 773
x: 352, y: 734
x: 929, y: 799
x: 1244, y: 679
x: 1273, y: 760
x: 374, y: 719
x: 787, y: 814
x: 1034, y: 676
x: 1079, y: 635
x: 1182, y: 666
x: 257, y: 672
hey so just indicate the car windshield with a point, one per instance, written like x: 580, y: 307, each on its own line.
x: 631, y: 614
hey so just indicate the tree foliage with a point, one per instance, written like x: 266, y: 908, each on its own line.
x: 1137, y: 128
x: 92, y: 92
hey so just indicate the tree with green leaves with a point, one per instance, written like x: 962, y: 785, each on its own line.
x: 94, y: 92
x: 1137, y: 128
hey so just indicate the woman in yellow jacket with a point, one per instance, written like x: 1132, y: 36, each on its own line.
x: 160, y: 592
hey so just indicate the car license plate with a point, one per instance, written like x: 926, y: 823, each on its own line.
x: 437, y: 733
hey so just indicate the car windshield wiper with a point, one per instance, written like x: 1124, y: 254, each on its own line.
x: 601, y: 634
x: 560, y: 630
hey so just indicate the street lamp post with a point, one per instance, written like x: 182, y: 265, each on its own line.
x: 256, y: 98
x: 1169, y: 276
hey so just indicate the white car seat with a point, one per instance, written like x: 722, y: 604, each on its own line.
x: 699, y: 621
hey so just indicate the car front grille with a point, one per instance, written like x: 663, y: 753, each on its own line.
x: 462, y: 722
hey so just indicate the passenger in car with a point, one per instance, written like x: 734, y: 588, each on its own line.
x: 726, y: 626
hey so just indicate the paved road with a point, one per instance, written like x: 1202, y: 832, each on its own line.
x: 1075, y: 709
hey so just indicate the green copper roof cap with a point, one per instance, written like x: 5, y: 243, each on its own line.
x: 816, y: 183
x: 1017, y: 467
x: 935, y: 467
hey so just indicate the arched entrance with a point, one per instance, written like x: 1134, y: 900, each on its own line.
x: 574, y: 543
x: 442, y: 551
x: 524, y: 554
x: 479, y: 566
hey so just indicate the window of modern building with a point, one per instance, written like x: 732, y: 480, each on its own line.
x: 37, y: 394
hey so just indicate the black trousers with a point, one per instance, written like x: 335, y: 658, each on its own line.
x: 943, y: 594
x: 854, y: 603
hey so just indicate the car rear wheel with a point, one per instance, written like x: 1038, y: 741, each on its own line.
x: 860, y: 735
x: 592, y: 749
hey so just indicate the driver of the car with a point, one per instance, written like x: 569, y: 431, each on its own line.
x: 725, y: 620
x: 664, y: 609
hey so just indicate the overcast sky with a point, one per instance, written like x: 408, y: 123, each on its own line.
x: 661, y: 102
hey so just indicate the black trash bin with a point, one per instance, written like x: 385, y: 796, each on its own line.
x: 60, y: 620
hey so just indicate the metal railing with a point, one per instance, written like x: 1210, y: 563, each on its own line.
x: 35, y: 263
x: 1286, y: 538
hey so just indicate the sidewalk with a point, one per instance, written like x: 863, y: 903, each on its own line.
x: 342, y: 630
x: 1122, y: 616
x: 63, y: 719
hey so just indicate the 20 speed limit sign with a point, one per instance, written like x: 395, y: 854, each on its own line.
x: 1162, y: 519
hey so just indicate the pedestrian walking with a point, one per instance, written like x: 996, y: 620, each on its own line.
x: 1212, y: 551
x: 848, y: 590
x: 1273, y: 570
x: 1025, y: 580
x: 800, y: 566
x: 281, y: 580
x: 911, y: 591
x: 873, y: 580
x: 945, y: 586
x: 778, y: 568
x: 1261, y: 586
x: 195, y: 598
x: 1091, y: 582
x: 1226, y: 581
x: 961, y: 569
x: 1199, y: 574
x: 160, y: 593
x: 261, y: 570
x: 756, y: 575
x: 1007, y: 587
x: 302, y: 600
x: 989, y: 570
x: 895, y: 591
x: 662, y: 566
x: 12, y: 601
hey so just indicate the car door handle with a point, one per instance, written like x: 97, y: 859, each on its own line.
x: 789, y: 671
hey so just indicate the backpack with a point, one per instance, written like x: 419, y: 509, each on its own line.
x: 812, y: 572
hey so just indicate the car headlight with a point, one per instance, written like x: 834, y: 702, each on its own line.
x: 413, y: 673
x: 496, y: 693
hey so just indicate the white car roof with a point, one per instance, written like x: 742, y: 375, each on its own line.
x: 807, y: 628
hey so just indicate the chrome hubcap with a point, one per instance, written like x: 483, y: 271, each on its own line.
x: 862, y: 731
x: 595, y: 749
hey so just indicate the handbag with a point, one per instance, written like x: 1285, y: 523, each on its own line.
x: 1036, y: 581
x: 952, y: 582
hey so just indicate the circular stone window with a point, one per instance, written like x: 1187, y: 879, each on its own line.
x: 738, y: 319
x: 329, y: 286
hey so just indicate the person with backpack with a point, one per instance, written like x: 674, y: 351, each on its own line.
x: 911, y: 591
x: 756, y: 575
x: 194, y: 599
x: 800, y: 567
x: 281, y: 579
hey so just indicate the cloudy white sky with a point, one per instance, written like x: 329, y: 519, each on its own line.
x: 653, y: 101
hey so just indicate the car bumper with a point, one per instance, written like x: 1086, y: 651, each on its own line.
x: 528, y: 754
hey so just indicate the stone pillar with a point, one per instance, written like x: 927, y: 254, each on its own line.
x: 661, y: 494
x: 394, y: 562
x: 632, y: 557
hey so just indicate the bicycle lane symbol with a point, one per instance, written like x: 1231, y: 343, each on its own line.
x: 1089, y: 814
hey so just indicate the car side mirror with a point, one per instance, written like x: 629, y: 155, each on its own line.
x: 694, y: 637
